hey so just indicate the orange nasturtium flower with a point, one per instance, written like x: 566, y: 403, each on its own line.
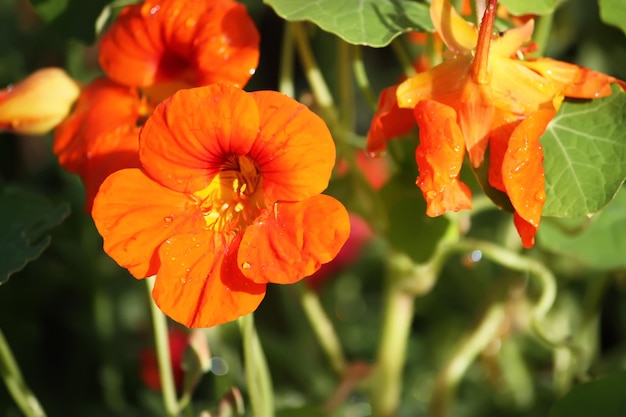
x: 93, y: 146
x: 164, y: 45
x: 227, y: 200
x: 484, y: 94
x: 35, y: 105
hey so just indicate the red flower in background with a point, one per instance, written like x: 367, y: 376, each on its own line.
x: 178, y: 341
x: 227, y: 200
x: 164, y: 45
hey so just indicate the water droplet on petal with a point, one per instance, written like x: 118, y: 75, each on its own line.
x: 246, y: 265
x: 540, y: 196
x: 183, y: 280
x: 168, y: 219
x: 431, y: 194
x: 155, y: 9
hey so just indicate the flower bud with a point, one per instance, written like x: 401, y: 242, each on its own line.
x: 38, y: 103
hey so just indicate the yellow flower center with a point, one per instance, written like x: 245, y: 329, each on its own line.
x: 234, y: 198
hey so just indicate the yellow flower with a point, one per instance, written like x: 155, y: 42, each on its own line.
x: 38, y: 103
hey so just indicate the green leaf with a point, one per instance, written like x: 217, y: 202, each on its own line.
x: 71, y: 19
x: 585, y: 155
x: 24, y: 217
x: 604, y: 397
x: 613, y: 12
x: 366, y: 22
x: 520, y: 7
x: 599, y: 243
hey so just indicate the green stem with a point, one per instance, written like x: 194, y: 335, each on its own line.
x: 285, y: 74
x: 449, y: 377
x: 323, y: 329
x: 346, y: 88
x: 362, y: 81
x: 542, y: 32
x: 405, y: 60
x: 164, y: 359
x: 21, y: 393
x: 313, y: 74
x: 398, y: 315
x: 257, y: 372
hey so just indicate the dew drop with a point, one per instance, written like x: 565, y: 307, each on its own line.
x: 252, y: 71
x: 155, y: 9
x: 540, y: 196
x: 183, y: 280
x: 168, y: 219
x: 431, y: 194
x: 246, y: 265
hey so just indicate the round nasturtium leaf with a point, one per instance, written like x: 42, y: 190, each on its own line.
x: 361, y: 22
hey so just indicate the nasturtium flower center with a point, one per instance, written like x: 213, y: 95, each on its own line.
x: 234, y: 198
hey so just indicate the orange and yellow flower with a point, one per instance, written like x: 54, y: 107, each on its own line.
x: 35, y: 105
x: 484, y: 95
x: 164, y: 45
x: 227, y: 200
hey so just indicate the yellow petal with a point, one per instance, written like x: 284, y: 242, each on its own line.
x: 38, y: 103
x: 459, y: 35
x: 519, y: 90
x: 510, y: 42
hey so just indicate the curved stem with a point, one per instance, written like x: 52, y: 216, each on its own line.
x: 323, y: 329
x: 404, y: 58
x: 164, y: 358
x: 257, y: 372
x: 346, y: 88
x: 362, y: 81
x: 21, y: 393
x: 398, y: 315
x: 465, y: 354
x: 313, y: 73
x: 285, y: 72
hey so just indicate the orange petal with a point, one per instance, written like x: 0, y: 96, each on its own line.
x: 522, y: 170
x: 475, y: 115
x: 106, y: 154
x: 526, y: 231
x: 199, y: 283
x: 294, y: 149
x: 291, y: 240
x: 501, y: 131
x: 443, y: 83
x: 577, y: 82
x: 122, y: 108
x: 194, y: 42
x: 38, y: 103
x: 135, y: 215
x: 389, y: 122
x: 439, y: 159
x: 186, y: 139
x: 458, y: 34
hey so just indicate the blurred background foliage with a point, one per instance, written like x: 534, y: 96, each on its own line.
x: 78, y: 323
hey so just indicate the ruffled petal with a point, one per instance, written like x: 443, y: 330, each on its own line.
x: 122, y: 107
x: 199, y: 283
x: 457, y: 33
x: 291, y: 240
x: 188, y: 136
x: 190, y: 42
x: 475, y: 112
x: 294, y: 150
x: 390, y: 121
x: 577, y: 82
x: 522, y: 172
x: 135, y: 215
x: 439, y: 159
x: 501, y: 131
